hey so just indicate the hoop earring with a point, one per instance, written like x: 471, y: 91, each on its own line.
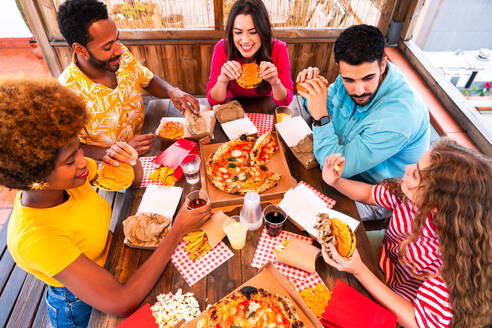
x: 41, y: 185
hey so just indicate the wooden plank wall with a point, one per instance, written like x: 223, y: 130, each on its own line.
x: 187, y: 66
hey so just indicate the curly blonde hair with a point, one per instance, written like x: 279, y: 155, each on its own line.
x: 37, y: 118
x: 458, y: 183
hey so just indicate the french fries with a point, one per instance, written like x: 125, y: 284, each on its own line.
x: 164, y: 175
x: 196, y: 244
x: 316, y: 298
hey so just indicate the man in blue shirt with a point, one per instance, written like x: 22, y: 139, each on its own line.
x: 370, y: 114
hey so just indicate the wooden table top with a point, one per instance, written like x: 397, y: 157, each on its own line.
x: 122, y: 260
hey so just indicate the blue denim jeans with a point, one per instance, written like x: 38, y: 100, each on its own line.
x: 65, y: 309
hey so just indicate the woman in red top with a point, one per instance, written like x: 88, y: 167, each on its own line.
x: 437, y: 252
x: 248, y: 38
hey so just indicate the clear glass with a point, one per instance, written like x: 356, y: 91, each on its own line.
x: 274, y: 219
x: 251, y: 211
x: 236, y: 231
x: 282, y: 112
x: 191, y: 168
x: 196, y: 199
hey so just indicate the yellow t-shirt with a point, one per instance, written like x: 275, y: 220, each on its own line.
x: 115, y: 114
x: 44, y: 241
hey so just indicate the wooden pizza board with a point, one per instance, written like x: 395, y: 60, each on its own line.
x: 271, y: 280
x: 277, y: 164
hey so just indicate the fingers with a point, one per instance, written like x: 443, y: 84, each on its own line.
x: 307, y: 74
x: 191, y: 104
x: 328, y: 259
x: 111, y: 161
x: 232, y: 69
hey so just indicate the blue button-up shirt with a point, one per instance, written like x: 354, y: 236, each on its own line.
x: 379, y: 139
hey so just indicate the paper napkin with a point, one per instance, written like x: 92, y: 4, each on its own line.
x: 295, y: 203
x: 160, y: 199
x: 293, y: 130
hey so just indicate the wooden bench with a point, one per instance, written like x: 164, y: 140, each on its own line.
x: 22, y: 301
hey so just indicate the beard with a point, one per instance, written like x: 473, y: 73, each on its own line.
x: 356, y: 99
x: 102, y: 64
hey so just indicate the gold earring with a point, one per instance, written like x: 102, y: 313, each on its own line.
x: 38, y: 185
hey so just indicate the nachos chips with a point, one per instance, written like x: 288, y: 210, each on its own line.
x: 146, y: 229
x: 114, y: 178
x: 250, y: 77
x: 336, y: 232
x: 323, y: 80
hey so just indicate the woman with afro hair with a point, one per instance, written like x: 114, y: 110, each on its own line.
x: 437, y: 252
x: 59, y: 227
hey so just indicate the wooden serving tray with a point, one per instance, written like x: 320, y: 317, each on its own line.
x: 277, y: 164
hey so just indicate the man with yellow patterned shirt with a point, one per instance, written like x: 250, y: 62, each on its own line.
x: 110, y: 79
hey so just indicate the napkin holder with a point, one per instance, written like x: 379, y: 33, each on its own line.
x: 174, y: 155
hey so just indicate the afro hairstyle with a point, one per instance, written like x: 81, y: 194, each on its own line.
x: 360, y: 44
x: 75, y: 16
x: 37, y: 118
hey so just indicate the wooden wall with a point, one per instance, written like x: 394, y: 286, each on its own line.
x: 187, y: 66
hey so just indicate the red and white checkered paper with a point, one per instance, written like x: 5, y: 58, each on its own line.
x: 330, y: 202
x: 148, y: 168
x: 263, y: 122
x: 265, y: 253
x: 194, y: 271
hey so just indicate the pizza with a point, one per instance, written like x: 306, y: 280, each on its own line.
x: 232, y: 170
x: 251, y: 307
x: 263, y: 149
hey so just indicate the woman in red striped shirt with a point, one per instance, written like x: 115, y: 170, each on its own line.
x: 437, y: 252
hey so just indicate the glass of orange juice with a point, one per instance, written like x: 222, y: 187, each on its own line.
x: 282, y: 112
x: 236, y: 231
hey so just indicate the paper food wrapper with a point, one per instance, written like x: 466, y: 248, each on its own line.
x: 213, y: 228
x: 234, y: 129
x: 294, y: 204
x: 160, y: 199
x: 175, y: 154
x: 293, y: 130
x: 298, y: 136
x: 229, y: 111
x: 299, y: 254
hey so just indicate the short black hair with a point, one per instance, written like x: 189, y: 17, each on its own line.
x: 75, y: 16
x: 360, y: 44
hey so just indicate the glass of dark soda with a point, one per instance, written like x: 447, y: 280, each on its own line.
x: 274, y: 219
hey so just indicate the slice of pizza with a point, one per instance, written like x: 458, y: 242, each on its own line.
x: 251, y: 307
x: 235, y: 152
x: 263, y: 149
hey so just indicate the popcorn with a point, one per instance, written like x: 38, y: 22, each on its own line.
x: 170, y: 309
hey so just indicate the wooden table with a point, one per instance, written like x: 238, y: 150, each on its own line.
x: 122, y: 260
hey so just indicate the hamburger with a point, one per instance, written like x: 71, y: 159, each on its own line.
x: 321, y: 78
x: 113, y: 178
x: 336, y: 232
x: 171, y: 130
x: 250, y: 77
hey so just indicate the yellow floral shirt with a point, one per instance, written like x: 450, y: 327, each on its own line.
x: 114, y: 115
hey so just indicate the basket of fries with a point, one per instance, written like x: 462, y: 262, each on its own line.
x: 199, y: 242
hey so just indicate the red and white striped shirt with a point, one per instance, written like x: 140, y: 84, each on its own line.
x: 428, y: 295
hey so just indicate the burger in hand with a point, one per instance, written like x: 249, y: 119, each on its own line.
x: 250, y: 78
x: 335, y: 231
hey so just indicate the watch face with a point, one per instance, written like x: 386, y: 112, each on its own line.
x: 324, y: 120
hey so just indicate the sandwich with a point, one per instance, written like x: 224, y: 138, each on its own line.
x: 323, y: 80
x: 171, y: 130
x: 113, y: 178
x: 250, y: 78
x: 335, y: 231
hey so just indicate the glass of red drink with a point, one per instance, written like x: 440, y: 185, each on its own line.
x: 196, y: 199
x: 274, y: 219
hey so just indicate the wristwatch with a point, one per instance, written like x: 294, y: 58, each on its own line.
x: 322, y: 121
